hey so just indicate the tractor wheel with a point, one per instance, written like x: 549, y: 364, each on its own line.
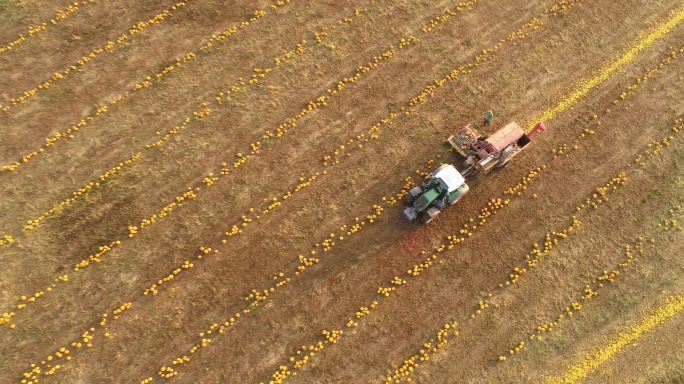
x: 425, y: 218
x: 428, y: 215
x: 407, y: 200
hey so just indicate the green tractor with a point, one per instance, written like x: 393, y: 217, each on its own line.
x: 445, y: 187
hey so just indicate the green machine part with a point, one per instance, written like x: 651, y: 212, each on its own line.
x: 424, y: 201
x: 489, y: 116
x: 456, y: 194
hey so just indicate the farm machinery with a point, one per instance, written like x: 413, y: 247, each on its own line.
x: 482, y: 153
x: 444, y: 187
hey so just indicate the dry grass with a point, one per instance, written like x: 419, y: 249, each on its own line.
x: 522, y: 79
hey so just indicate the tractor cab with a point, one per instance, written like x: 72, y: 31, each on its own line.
x: 445, y: 187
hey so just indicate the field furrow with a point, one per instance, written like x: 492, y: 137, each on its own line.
x: 145, y: 82
x: 217, y: 193
x: 32, y: 31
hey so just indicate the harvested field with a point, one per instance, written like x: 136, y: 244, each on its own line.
x: 211, y: 192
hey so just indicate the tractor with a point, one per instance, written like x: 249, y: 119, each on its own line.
x: 482, y: 153
x: 445, y: 187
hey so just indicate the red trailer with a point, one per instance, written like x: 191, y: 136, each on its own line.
x: 483, y: 153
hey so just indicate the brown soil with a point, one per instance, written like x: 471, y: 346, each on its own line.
x: 521, y: 80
